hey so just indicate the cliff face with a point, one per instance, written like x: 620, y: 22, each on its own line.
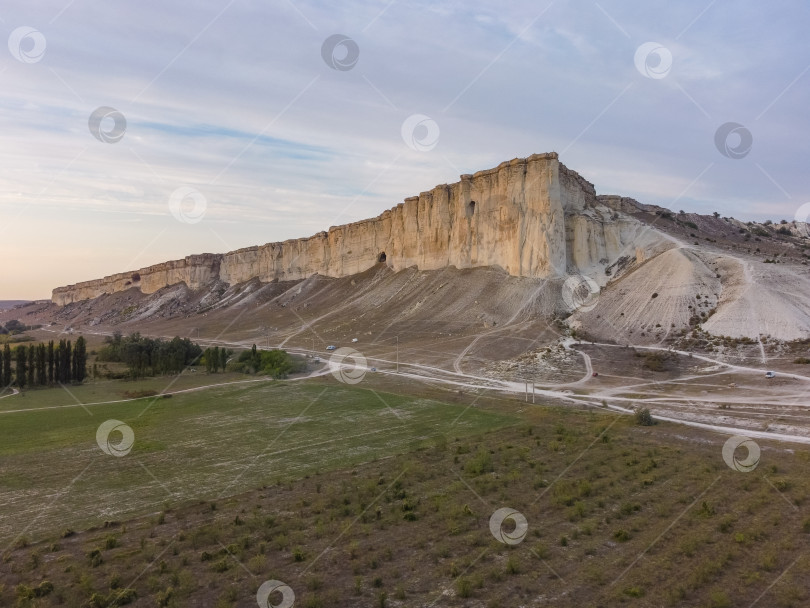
x: 532, y: 217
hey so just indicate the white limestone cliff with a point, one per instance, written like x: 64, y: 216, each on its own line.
x: 531, y: 217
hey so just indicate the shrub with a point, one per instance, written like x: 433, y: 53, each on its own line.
x: 654, y: 361
x: 463, y: 587
x: 480, y: 463
x: 164, y: 597
x: 643, y: 417
x: 123, y: 597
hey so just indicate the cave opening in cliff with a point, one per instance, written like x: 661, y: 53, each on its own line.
x: 136, y: 277
x: 381, y: 257
x: 470, y: 208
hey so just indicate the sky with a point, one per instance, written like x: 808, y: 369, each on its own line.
x: 132, y: 133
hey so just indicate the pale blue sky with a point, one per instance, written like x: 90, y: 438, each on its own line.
x: 234, y: 99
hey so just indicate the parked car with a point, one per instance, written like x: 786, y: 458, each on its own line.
x: 769, y: 374
x: 595, y: 374
x: 331, y: 347
x: 374, y: 369
x: 354, y: 339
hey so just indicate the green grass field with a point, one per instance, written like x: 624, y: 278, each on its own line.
x: 360, y: 496
x: 197, y: 445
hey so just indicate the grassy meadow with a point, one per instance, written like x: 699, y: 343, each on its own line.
x: 360, y: 497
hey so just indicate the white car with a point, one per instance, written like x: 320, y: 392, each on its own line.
x: 354, y: 339
x: 331, y: 347
x: 770, y: 374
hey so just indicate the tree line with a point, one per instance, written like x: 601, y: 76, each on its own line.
x: 276, y: 363
x: 44, y: 364
x: 215, y: 358
x: 150, y: 356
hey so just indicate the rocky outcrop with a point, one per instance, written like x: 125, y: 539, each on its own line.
x: 531, y: 217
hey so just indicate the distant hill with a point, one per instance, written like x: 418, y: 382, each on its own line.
x: 9, y: 304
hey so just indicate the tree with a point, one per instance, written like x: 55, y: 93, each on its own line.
x: 32, y: 360
x: 68, y: 362
x: 58, y: 357
x: 80, y: 360
x: 7, y: 365
x: 215, y: 359
x: 223, y: 358
x: 42, y: 365
x: 19, y: 371
x: 2, y: 377
x: 50, y: 362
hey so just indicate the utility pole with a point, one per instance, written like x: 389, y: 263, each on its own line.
x: 527, y: 390
x: 532, y: 391
x: 397, y: 354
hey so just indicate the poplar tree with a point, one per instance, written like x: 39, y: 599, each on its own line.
x: 32, y: 360
x: 50, y: 362
x: 42, y: 358
x: 19, y: 371
x: 80, y: 360
x: 7, y: 365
